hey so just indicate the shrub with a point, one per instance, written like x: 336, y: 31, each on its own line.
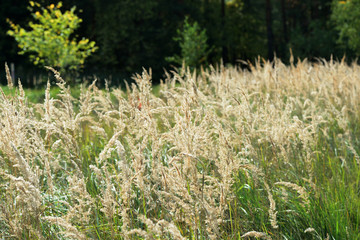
x: 48, y: 42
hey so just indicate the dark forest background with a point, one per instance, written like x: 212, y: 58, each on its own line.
x: 136, y: 34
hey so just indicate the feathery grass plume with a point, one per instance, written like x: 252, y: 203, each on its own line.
x: 8, y: 77
x: 24, y: 167
x: 105, y: 153
x: 160, y: 229
x: 21, y: 92
x: 272, y: 209
x: 57, y: 75
x: 109, y: 202
x: 313, y: 232
x: 309, y: 230
x: 255, y: 234
x: 69, y: 231
x: 81, y: 202
x: 48, y: 110
x: 303, y: 194
x: 353, y: 151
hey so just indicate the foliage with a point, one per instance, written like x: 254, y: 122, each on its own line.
x: 193, y: 45
x: 346, y: 15
x: 48, y: 42
x: 133, y: 35
x: 136, y: 34
x: 244, y: 30
x: 315, y: 42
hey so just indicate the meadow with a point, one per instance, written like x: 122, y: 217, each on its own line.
x: 269, y: 152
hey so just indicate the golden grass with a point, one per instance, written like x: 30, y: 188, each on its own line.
x: 134, y: 165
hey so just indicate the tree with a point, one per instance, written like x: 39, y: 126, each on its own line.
x: 245, y: 30
x: 224, y: 52
x: 193, y: 45
x: 304, y: 27
x: 346, y: 16
x: 48, y: 42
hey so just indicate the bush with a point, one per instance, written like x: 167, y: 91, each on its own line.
x: 48, y: 42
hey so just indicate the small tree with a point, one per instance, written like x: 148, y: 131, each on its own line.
x: 48, y: 42
x: 346, y: 16
x: 192, y: 41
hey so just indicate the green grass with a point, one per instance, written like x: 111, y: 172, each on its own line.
x: 334, y: 209
x: 37, y: 95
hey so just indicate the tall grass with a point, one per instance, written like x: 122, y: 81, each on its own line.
x: 269, y: 153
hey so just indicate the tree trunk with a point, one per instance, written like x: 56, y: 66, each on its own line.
x: 224, y: 48
x: 270, y: 35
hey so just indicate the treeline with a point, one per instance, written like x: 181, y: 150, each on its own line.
x: 132, y: 34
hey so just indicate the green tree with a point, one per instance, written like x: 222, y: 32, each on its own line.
x: 193, y: 45
x: 48, y: 42
x: 346, y: 16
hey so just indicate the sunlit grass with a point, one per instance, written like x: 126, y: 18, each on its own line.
x: 271, y: 152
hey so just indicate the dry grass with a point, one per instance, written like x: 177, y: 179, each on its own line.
x: 130, y: 165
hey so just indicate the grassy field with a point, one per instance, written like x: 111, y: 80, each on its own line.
x: 267, y: 153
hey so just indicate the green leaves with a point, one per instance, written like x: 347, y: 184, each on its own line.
x: 346, y: 16
x: 48, y: 40
x: 192, y: 41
